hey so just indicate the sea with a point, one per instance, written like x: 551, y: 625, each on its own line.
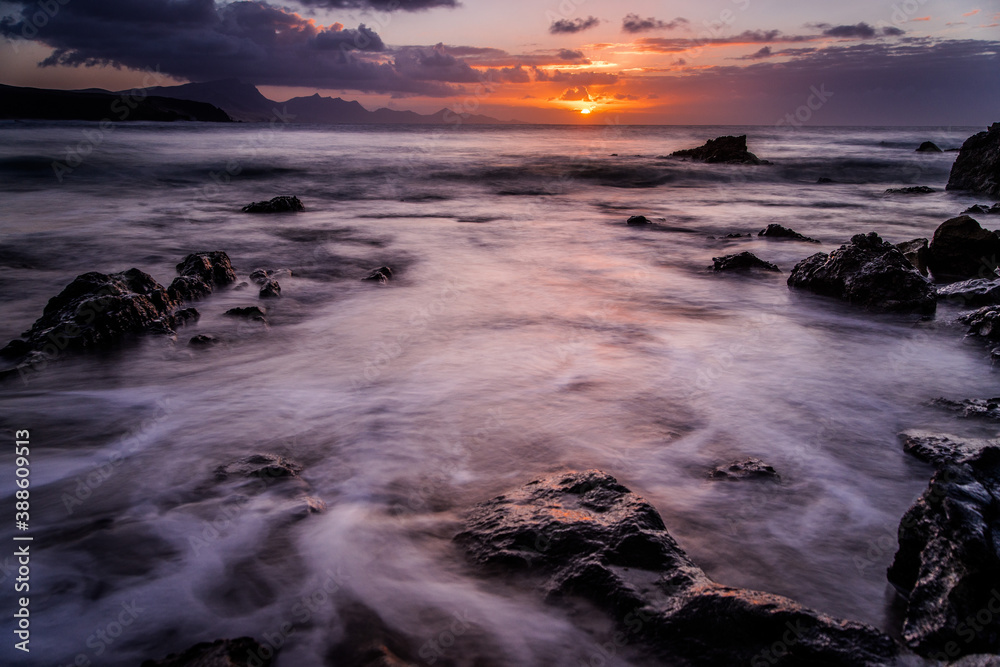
x: 527, y: 330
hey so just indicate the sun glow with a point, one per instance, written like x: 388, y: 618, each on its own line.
x: 585, y: 111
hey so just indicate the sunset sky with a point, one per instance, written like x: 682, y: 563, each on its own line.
x: 898, y: 62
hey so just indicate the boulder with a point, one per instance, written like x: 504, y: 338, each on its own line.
x: 928, y: 147
x: 867, y: 272
x: 272, y: 473
x: 584, y: 534
x: 270, y: 289
x: 240, y: 652
x: 729, y: 150
x: 774, y: 231
x: 749, y: 468
x: 263, y: 466
x: 974, y: 408
x: 824, y: 180
x: 202, y: 340
x: 188, y: 288
x: 913, y: 190
x: 282, y: 204
x: 917, y: 253
x: 983, y: 323
x: 212, y: 268
x: 637, y: 220
x: 940, y: 449
x: 971, y: 293
x: 382, y: 274
x: 983, y: 209
x: 743, y: 261
x: 248, y: 313
x: 977, y: 167
x: 947, y: 566
x: 961, y: 248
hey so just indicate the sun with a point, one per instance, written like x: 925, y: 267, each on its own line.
x: 585, y: 111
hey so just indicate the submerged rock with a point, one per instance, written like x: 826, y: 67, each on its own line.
x: 961, y: 248
x: 584, y: 534
x: 972, y: 293
x: 729, y: 150
x: 977, y: 167
x: 917, y: 253
x: 948, y: 562
x: 270, y: 289
x: 264, y: 466
x: 282, y: 204
x: 749, y: 468
x: 261, y: 276
x: 188, y: 288
x: 382, y: 274
x: 202, y: 340
x: 983, y: 209
x: 743, y: 261
x: 928, y: 147
x: 276, y: 474
x: 774, y: 231
x: 913, y: 190
x: 867, y: 272
x: 248, y: 313
x: 637, y: 220
x: 974, y: 408
x: 939, y: 449
x: 239, y: 652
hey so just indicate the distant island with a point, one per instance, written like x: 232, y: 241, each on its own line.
x: 224, y: 101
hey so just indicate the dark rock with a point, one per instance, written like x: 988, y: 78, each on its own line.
x: 867, y: 272
x: 729, y: 150
x: 242, y: 285
x: 264, y: 471
x: 259, y: 276
x: 972, y: 293
x: 983, y: 209
x: 929, y: 147
x: 743, y: 261
x: 248, y: 313
x: 282, y: 204
x: 983, y: 323
x: 979, y: 660
x: 948, y: 562
x: 584, y: 534
x: 186, y: 315
x: 734, y: 235
x: 916, y: 253
x: 270, y: 289
x: 774, y: 231
x: 914, y: 190
x: 265, y: 466
x: 212, y: 268
x: 382, y: 274
x: 974, y: 408
x: 823, y: 180
x: 188, y: 288
x: 637, y: 220
x: 940, y: 449
x: 961, y: 248
x: 240, y: 652
x: 749, y: 468
x: 977, y: 167
x: 202, y: 340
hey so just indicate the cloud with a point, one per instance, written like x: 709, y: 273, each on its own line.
x: 579, y: 94
x: 573, y: 56
x: 622, y: 96
x: 381, y: 5
x: 566, y: 26
x: 679, y: 44
x: 859, y: 30
x: 972, y: 13
x: 576, y: 78
x: 922, y: 18
x: 765, y: 52
x: 633, y: 23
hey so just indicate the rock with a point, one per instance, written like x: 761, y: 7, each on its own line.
x: 981, y: 660
x: 270, y: 289
x: 264, y: 466
x: 977, y: 167
x: 259, y: 276
x: 734, y: 235
x: 774, y: 231
x: 248, y: 313
x: 242, y: 285
x: 940, y: 449
x: 240, y: 652
x: 928, y: 147
x: 729, y: 150
x: 265, y: 471
x: 382, y: 274
x: 584, y: 534
x: 914, y: 190
x: 749, y: 468
x: 282, y: 204
x: 962, y: 249
x: 983, y: 209
x: 212, y: 268
x: 916, y: 253
x: 188, y: 288
x: 743, y: 261
x: 972, y: 293
x: 867, y: 272
x: 823, y: 180
x: 973, y: 408
x: 637, y: 220
x: 948, y: 562
x: 202, y: 340
x: 983, y: 323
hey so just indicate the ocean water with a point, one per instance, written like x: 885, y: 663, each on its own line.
x: 528, y: 330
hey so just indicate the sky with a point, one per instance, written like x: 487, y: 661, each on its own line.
x: 748, y: 62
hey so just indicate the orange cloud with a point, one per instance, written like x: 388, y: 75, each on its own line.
x: 922, y: 18
x: 972, y: 13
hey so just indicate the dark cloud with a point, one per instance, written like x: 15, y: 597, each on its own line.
x: 622, y: 96
x: 857, y: 31
x: 434, y: 63
x: 678, y: 44
x: 566, y: 26
x: 634, y: 23
x: 576, y: 78
x: 578, y: 94
x: 765, y: 52
x: 572, y: 56
x: 381, y: 5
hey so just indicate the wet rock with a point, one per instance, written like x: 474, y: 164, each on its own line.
x: 743, y: 261
x: 240, y: 652
x: 259, y: 276
x: 264, y: 466
x: 382, y: 274
x: 212, y: 268
x: 823, y: 180
x: 977, y: 167
x: 735, y: 235
x: 637, y: 220
x: 265, y: 471
x: 202, y: 340
x: 242, y: 285
x: 270, y: 289
x: 948, y: 563
x: 974, y: 408
x: 914, y: 190
x: 928, y: 147
x: 282, y: 204
x: 188, y: 288
x: 940, y: 449
x: 749, y: 468
x: 917, y: 253
x: 866, y: 272
x: 961, y: 248
x: 981, y: 660
x: 774, y: 231
x: 728, y: 150
x: 248, y: 313
x: 983, y: 209
x: 584, y: 534
x: 972, y: 293
x: 983, y: 323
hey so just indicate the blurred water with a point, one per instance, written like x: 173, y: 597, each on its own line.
x: 528, y: 330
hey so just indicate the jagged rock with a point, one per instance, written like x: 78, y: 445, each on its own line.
x: 382, y: 274
x: 939, y: 449
x: 774, y: 231
x: 248, y: 313
x: 983, y: 209
x: 917, y: 253
x: 743, y: 261
x: 265, y: 465
x: 188, y: 288
x: 259, y: 276
x: 913, y: 190
x: 961, y: 248
x: 637, y: 220
x: 749, y: 468
x: 867, y: 272
x: 928, y: 147
x: 584, y: 534
x: 282, y: 204
x: 202, y: 340
x: 240, y: 652
x: 262, y: 471
x: 983, y: 323
x: 972, y: 293
x: 212, y: 268
x: 735, y: 235
x: 729, y: 150
x: 974, y: 408
x: 977, y: 167
x: 270, y: 289
x: 948, y: 562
